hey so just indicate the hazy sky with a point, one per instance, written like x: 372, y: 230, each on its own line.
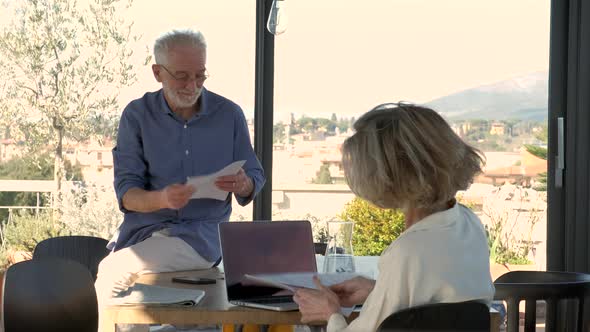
x: 346, y: 56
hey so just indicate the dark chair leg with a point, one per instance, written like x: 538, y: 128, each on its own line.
x: 580, y: 326
x: 530, y: 315
x: 551, y: 315
x: 512, y: 315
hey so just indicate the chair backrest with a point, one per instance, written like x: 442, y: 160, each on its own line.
x: 461, y: 316
x: 86, y: 250
x: 50, y: 294
x: 549, y: 286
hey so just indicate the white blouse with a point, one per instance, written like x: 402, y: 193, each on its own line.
x: 442, y: 258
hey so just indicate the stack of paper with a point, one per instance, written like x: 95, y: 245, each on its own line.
x: 292, y: 281
x: 158, y: 295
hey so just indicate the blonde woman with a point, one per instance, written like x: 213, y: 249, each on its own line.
x: 407, y: 157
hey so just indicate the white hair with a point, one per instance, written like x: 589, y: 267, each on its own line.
x: 173, y: 38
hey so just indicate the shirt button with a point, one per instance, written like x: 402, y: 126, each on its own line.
x: 186, y: 152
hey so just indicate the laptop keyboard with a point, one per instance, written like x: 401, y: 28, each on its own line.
x: 272, y: 299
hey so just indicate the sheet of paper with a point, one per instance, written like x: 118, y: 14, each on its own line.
x: 205, y: 184
x: 292, y: 281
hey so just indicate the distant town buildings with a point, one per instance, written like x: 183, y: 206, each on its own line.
x: 297, y: 158
x: 497, y: 128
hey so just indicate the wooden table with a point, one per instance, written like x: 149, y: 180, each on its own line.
x: 213, y: 309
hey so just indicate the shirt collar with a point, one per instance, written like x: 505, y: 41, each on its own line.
x: 436, y: 220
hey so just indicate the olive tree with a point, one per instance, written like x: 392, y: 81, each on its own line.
x: 63, y: 64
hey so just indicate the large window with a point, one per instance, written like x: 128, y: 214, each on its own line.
x: 466, y: 59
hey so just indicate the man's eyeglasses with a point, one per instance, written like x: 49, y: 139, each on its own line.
x: 185, y: 77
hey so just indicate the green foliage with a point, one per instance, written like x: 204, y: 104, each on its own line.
x: 506, y: 208
x: 323, y: 176
x: 91, y: 210
x: 87, y: 210
x: 477, y: 133
x: 501, y: 252
x: 25, y: 230
x: 343, y: 125
x: 543, y: 135
x: 31, y: 168
x: 374, y: 228
x: 36, y: 168
x: 541, y: 182
x: 541, y: 153
x: 278, y: 133
x: 536, y: 151
x: 309, y: 125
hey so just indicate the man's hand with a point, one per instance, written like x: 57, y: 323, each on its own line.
x: 241, y: 184
x: 316, y: 305
x: 176, y: 196
x: 353, y: 291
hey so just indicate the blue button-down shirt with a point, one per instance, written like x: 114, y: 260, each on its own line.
x: 156, y: 148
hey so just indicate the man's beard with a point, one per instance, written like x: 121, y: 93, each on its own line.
x: 180, y: 99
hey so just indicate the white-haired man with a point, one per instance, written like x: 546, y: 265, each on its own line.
x: 179, y: 131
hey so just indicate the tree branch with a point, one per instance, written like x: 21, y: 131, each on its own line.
x: 28, y: 88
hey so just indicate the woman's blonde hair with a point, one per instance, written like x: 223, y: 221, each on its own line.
x: 404, y: 156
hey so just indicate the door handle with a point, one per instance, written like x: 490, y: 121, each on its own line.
x: 560, y: 157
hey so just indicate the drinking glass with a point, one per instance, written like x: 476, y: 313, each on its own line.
x: 339, y: 253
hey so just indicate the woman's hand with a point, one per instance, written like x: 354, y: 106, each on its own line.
x: 353, y: 291
x: 316, y: 305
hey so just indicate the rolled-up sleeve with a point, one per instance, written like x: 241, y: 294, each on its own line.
x: 128, y: 164
x: 244, y: 151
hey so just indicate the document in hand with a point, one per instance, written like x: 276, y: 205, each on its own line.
x: 292, y: 281
x: 158, y: 295
x: 205, y: 184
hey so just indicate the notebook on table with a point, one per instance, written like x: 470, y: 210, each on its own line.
x: 264, y: 247
x: 158, y: 295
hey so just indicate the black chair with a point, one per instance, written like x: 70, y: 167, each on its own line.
x: 461, y: 316
x: 86, y: 250
x: 551, y: 287
x: 49, y: 295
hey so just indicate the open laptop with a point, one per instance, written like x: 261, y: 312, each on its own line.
x: 264, y: 247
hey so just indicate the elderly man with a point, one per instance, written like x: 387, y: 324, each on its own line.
x: 180, y: 131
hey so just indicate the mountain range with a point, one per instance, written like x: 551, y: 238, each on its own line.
x: 519, y: 98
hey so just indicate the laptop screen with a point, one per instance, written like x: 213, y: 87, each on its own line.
x: 264, y: 247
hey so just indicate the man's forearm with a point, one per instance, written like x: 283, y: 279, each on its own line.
x: 140, y: 200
